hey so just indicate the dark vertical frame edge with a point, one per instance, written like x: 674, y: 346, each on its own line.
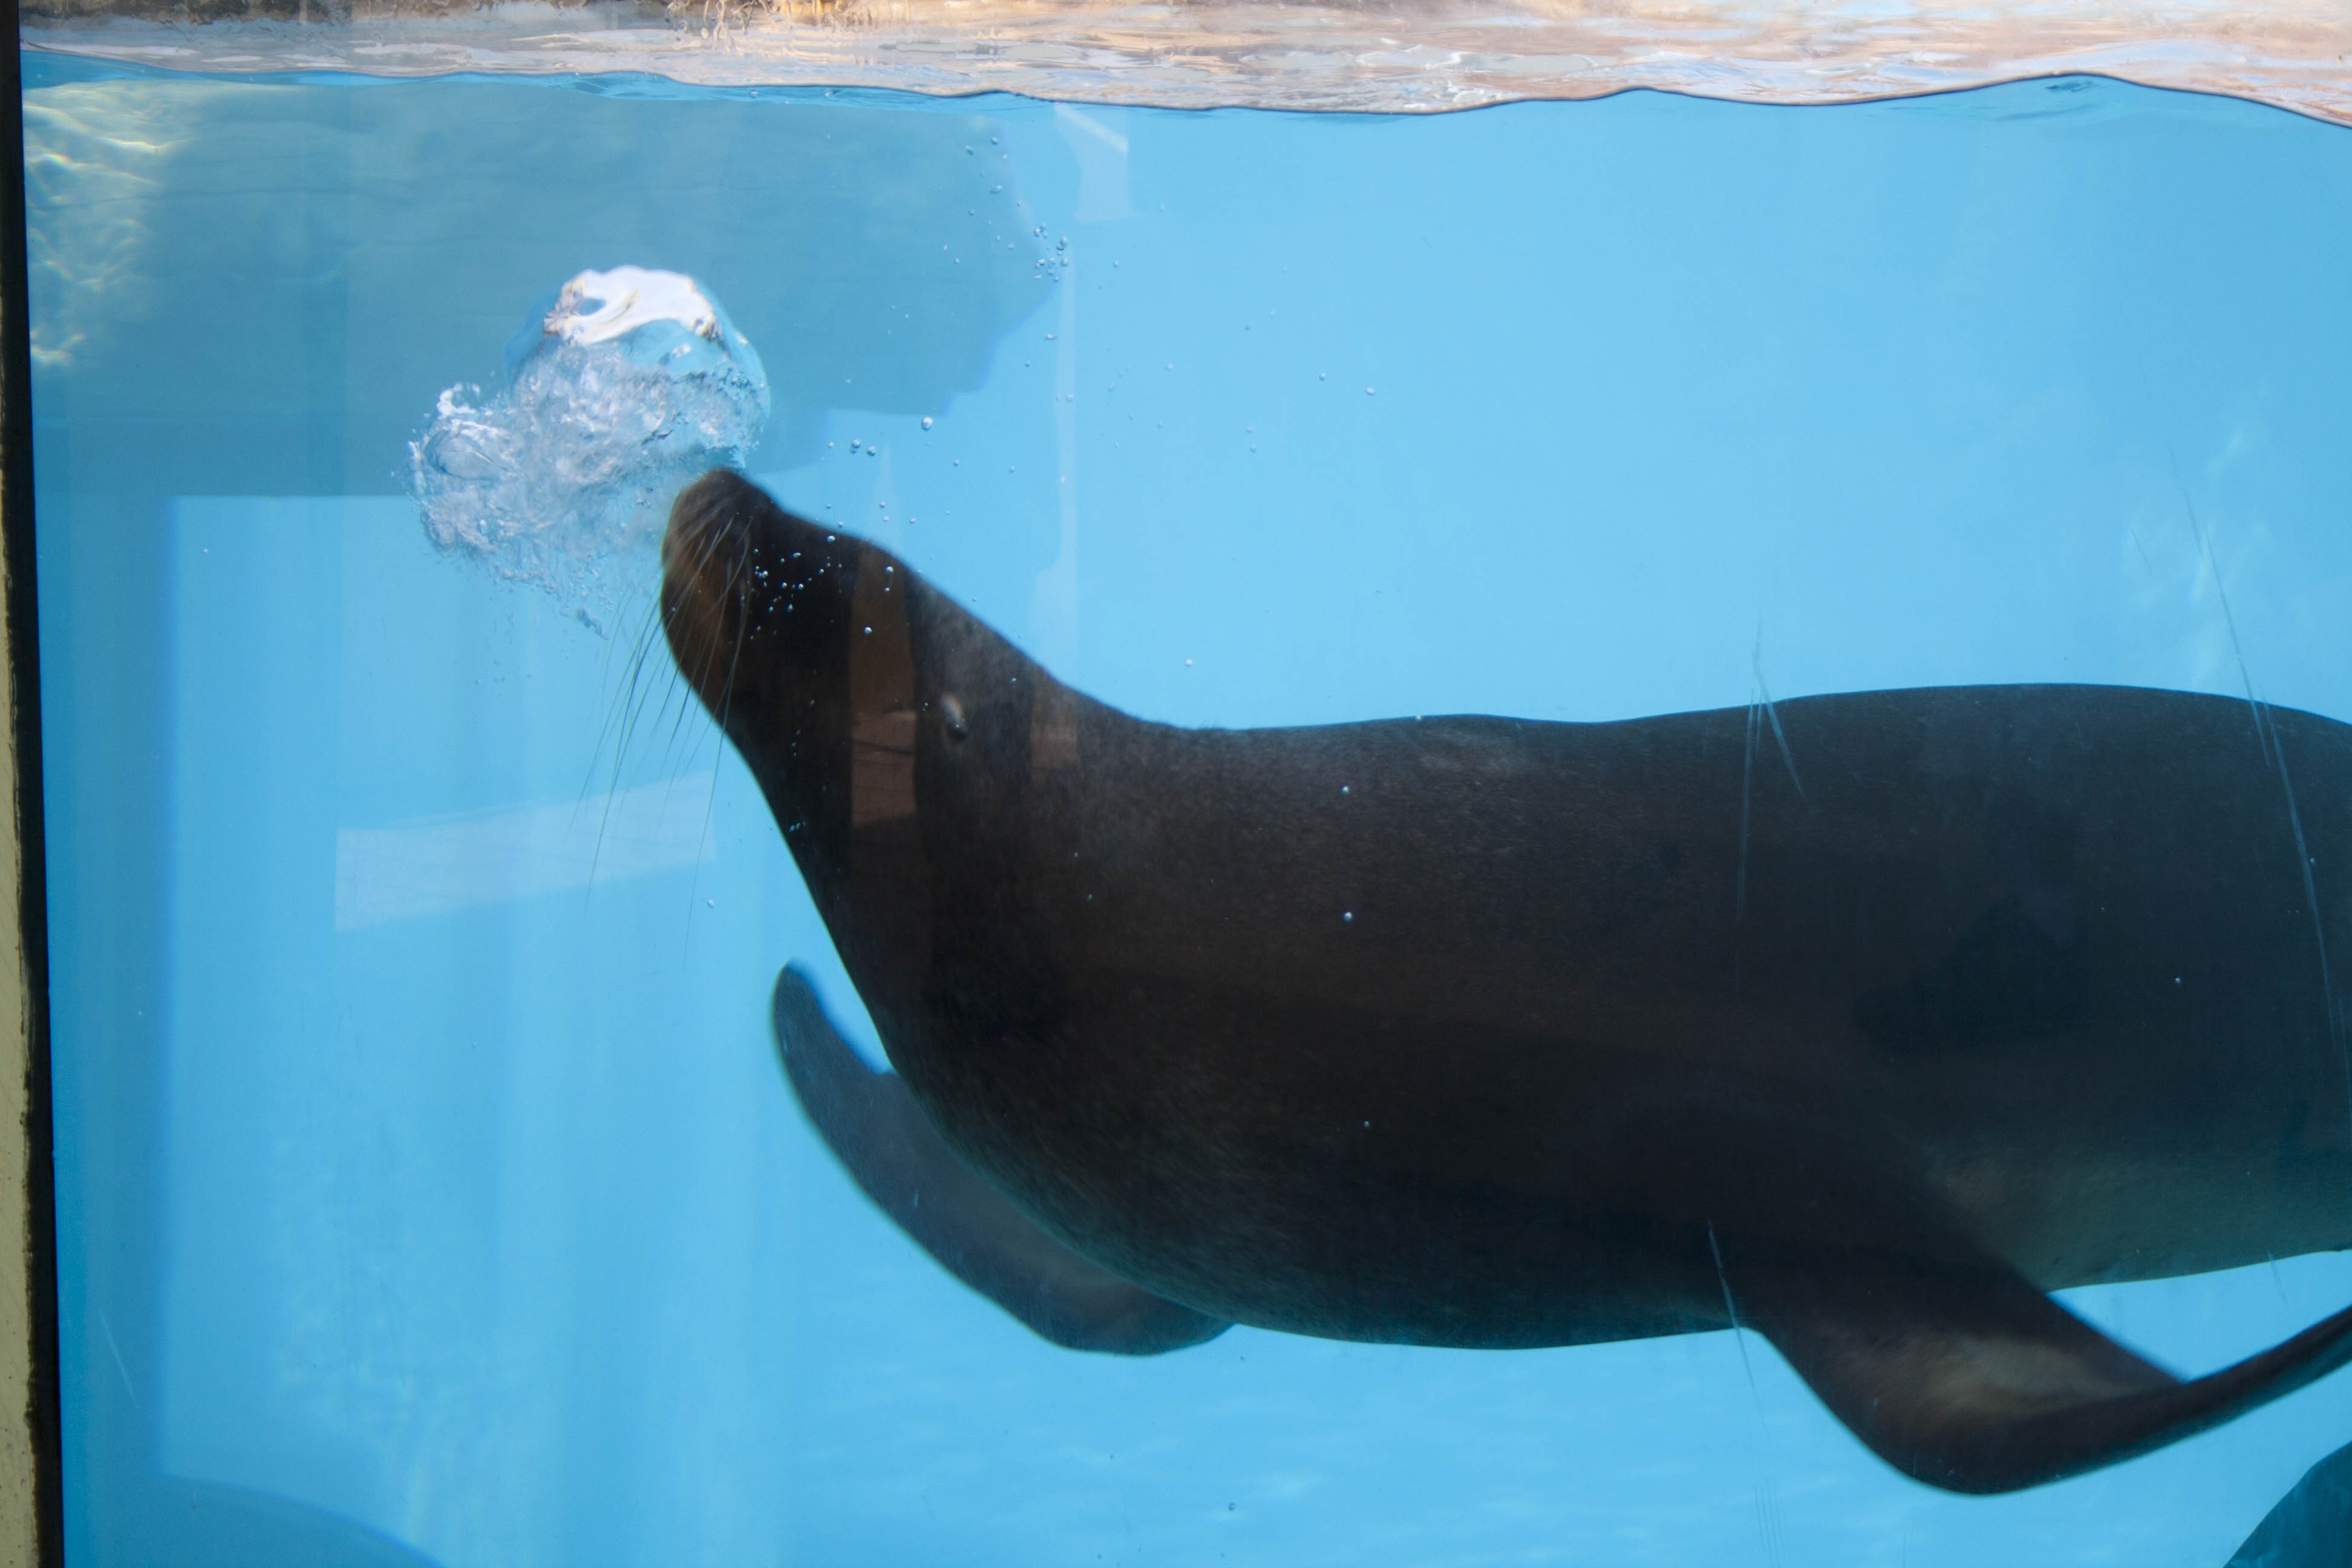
x: 43, y: 1415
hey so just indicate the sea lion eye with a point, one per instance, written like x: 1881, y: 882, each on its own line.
x: 951, y: 714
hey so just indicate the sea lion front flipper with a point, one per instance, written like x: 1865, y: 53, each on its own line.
x: 1962, y: 1374
x: 884, y: 1143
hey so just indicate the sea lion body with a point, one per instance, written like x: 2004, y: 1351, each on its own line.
x: 1862, y: 1021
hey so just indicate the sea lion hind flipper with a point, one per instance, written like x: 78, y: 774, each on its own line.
x: 882, y: 1138
x: 1970, y: 1379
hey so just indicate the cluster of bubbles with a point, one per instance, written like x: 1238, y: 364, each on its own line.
x: 624, y: 386
x: 1053, y: 264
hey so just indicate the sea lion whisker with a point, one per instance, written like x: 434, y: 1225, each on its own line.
x: 739, y: 582
x: 730, y: 586
x: 622, y: 720
x: 616, y: 728
x: 635, y: 657
x: 2303, y: 861
x: 1764, y: 694
x: 674, y: 683
x: 1739, y: 883
x: 1730, y: 1308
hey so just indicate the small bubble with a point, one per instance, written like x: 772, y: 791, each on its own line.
x: 1371, y: 393
x: 1348, y: 917
x: 927, y: 423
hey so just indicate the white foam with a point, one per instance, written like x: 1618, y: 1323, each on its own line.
x: 597, y: 307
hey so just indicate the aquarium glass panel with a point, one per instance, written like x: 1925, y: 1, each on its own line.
x: 1654, y: 775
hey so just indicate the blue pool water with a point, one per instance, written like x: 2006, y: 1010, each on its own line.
x: 428, y: 1190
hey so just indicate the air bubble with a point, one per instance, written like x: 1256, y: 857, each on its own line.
x: 634, y: 383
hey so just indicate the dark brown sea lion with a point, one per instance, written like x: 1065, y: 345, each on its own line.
x: 1863, y: 1027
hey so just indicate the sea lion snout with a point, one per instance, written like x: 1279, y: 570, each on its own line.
x: 754, y: 600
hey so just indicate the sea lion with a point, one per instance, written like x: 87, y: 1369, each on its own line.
x: 1863, y: 1021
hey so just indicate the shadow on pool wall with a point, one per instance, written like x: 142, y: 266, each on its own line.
x: 491, y: 1227
x: 248, y: 232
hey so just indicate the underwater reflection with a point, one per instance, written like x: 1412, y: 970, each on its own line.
x: 1862, y: 1021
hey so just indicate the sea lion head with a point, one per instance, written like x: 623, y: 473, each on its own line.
x: 866, y: 703
x: 793, y: 635
x: 799, y: 639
